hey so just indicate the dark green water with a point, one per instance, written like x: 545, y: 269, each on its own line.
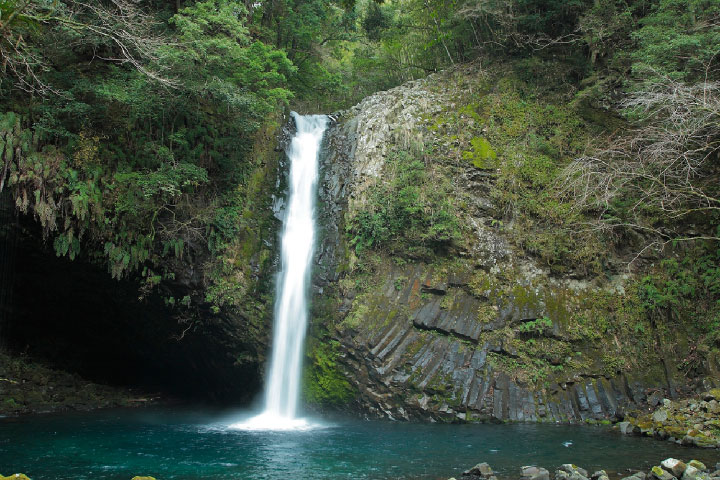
x: 181, y: 445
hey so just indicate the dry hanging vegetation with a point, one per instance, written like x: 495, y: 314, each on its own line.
x: 118, y: 31
x: 661, y: 179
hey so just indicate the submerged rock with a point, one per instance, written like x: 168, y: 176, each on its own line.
x: 636, y: 476
x: 627, y: 428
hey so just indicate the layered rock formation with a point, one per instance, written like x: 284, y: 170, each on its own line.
x: 485, y: 331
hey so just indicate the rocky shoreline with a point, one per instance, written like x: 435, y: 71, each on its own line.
x: 692, y: 421
x: 669, y: 469
x: 22, y: 476
x: 28, y: 387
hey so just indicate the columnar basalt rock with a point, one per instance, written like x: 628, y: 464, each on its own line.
x: 450, y: 340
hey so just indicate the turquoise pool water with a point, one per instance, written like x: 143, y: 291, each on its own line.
x: 183, y: 445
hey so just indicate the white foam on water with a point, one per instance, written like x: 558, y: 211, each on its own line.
x: 266, y: 422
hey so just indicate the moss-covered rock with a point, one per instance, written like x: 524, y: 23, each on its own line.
x: 691, y: 421
x: 28, y: 386
x: 515, y: 316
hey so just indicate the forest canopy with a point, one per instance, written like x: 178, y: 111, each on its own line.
x: 128, y: 125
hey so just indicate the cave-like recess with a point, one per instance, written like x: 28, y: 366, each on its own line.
x: 72, y: 315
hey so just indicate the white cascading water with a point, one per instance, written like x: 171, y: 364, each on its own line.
x: 291, y: 306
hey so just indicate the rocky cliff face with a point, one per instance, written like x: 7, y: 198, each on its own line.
x: 484, y: 330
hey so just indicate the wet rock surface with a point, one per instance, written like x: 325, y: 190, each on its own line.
x: 427, y: 359
x: 693, y: 421
x: 479, y: 471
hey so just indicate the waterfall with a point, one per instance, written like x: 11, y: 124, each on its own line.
x: 291, y: 304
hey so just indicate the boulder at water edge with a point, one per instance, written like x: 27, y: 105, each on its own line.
x: 534, y: 473
x: 600, y: 475
x: 481, y: 470
x: 636, y: 476
x: 698, y: 464
x: 569, y: 471
x: 659, y: 473
x: 674, y: 466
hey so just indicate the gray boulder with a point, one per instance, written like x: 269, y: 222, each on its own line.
x: 690, y: 473
x: 600, y: 475
x: 534, y: 473
x: 660, y: 415
x: 569, y: 471
x: 571, y: 468
x: 659, y: 473
x: 482, y: 470
x: 674, y: 466
x: 654, y: 399
x: 636, y: 476
x: 628, y: 428
x: 698, y: 464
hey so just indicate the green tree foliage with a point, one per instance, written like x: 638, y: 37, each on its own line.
x: 221, y: 62
x: 679, y: 38
x: 137, y: 140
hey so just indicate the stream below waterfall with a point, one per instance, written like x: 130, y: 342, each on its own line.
x: 179, y: 444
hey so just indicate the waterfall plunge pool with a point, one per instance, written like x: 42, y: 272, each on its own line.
x: 174, y: 444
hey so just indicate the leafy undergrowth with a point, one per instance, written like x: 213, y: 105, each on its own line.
x: 518, y: 136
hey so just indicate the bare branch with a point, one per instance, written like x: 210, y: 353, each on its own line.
x: 128, y: 30
x: 664, y: 172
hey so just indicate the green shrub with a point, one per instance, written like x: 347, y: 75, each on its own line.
x: 408, y: 214
x: 538, y: 326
